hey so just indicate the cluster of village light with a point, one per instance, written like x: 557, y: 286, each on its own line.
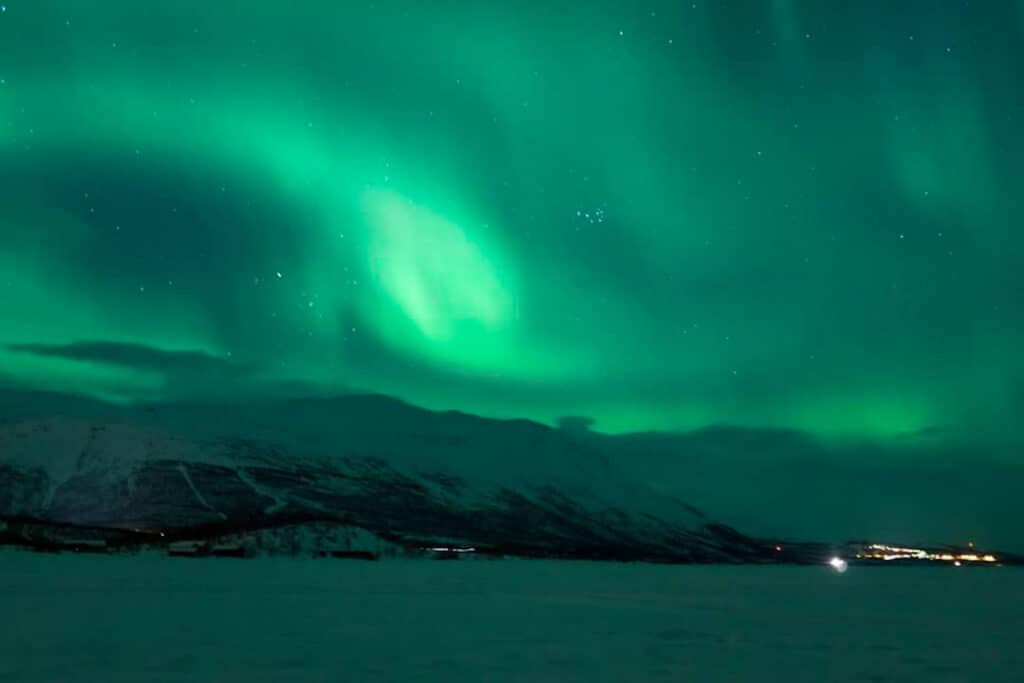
x: 877, y: 551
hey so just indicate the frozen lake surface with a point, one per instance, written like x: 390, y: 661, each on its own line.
x: 113, y: 619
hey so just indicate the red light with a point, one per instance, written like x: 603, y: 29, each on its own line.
x: 778, y: 548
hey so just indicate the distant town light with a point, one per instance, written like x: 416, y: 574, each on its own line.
x: 877, y: 551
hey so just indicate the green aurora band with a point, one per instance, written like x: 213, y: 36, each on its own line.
x: 664, y: 216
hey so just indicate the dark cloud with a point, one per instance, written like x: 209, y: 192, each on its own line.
x: 575, y: 424
x: 187, y: 375
x: 933, y: 432
x: 139, y: 357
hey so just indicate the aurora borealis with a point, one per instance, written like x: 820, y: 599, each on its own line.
x: 776, y: 213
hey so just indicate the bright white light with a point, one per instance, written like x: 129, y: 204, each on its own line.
x: 838, y: 563
x: 957, y: 563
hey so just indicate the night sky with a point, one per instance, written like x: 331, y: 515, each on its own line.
x: 785, y: 214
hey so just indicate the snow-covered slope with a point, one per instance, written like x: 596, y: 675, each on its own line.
x: 369, y: 461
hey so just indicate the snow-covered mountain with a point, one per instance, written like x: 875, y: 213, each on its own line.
x: 368, y: 462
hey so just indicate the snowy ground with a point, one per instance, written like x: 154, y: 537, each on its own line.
x: 116, y: 619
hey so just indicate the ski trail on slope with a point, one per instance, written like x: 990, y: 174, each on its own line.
x: 188, y: 479
x: 278, y: 504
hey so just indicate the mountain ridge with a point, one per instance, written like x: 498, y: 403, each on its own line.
x: 372, y: 462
